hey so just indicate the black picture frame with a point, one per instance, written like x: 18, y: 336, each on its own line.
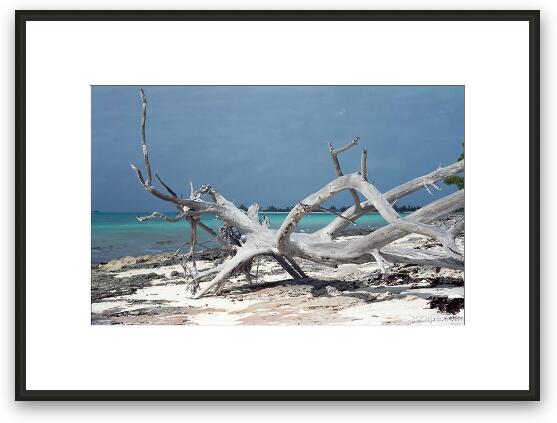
x: 531, y: 16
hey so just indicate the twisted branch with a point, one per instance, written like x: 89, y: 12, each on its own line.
x: 394, y: 194
x: 336, y: 164
x: 253, y: 239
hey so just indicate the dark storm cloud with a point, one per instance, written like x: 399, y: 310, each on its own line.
x: 269, y: 144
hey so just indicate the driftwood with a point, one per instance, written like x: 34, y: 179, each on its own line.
x: 249, y: 238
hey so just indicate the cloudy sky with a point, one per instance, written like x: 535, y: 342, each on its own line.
x: 268, y: 144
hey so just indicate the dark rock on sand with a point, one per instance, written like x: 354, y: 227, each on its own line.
x: 158, y: 260
x: 105, y: 285
x: 447, y: 305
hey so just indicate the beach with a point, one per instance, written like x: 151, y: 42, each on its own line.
x: 151, y: 290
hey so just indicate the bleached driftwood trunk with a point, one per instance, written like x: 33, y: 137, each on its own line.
x: 248, y: 238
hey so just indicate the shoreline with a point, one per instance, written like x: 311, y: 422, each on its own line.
x: 113, y: 237
x: 150, y: 290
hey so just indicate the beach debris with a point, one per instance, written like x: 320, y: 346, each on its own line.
x: 247, y: 238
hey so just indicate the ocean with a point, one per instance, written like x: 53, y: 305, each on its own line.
x: 114, y: 235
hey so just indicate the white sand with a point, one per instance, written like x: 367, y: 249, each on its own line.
x: 165, y: 300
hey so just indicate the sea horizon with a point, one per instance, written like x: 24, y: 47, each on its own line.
x: 118, y: 234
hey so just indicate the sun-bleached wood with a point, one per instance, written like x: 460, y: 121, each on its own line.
x: 284, y: 244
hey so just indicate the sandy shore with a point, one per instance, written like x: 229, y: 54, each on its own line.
x: 150, y: 290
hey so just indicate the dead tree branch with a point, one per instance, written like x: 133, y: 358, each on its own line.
x: 363, y: 165
x: 336, y: 164
x: 143, y: 142
x: 392, y: 195
x: 249, y: 238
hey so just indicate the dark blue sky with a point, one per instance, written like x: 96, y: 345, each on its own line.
x: 269, y: 144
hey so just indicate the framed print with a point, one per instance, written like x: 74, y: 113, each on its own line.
x: 270, y: 205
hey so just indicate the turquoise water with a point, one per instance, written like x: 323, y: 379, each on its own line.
x: 115, y: 235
